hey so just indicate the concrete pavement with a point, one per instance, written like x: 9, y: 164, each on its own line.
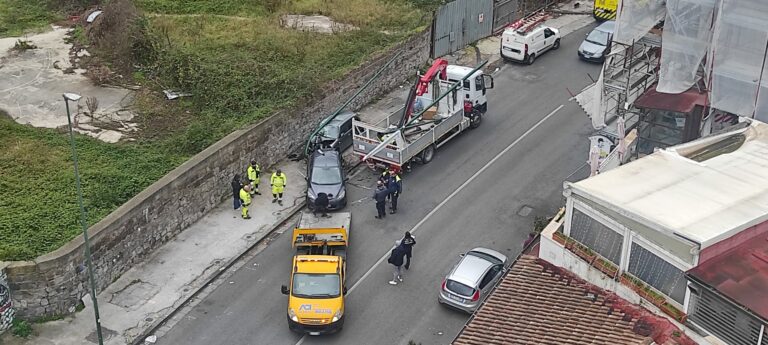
x: 484, y: 188
x: 149, y: 291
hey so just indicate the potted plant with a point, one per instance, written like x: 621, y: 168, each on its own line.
x: 606, y: 267
x: 673, y: 312
x: 559, y: 237
x: 584, y: 252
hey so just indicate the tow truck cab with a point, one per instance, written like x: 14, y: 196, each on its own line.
x: 318, y: 276
x: 476, y: 86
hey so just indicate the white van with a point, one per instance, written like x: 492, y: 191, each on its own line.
x: 525, y: 46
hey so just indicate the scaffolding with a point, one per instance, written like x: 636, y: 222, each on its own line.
x: 629, y: 71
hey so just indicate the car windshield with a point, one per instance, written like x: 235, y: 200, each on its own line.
x: 325, y: 175
x: 459, y: 288
x: 308, y: 285
x: 330, y: 131
x: 598, y: 37
x: 486, y: 257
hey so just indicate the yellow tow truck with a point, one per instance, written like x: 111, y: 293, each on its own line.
x: 317, y: 287
x: 605, y: 9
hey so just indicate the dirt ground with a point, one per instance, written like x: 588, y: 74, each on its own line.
x: 32, y: 82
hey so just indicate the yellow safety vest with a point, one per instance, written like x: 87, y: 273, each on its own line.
x: 254, y: 172
x: 278, y: 180
x: 245, y: 197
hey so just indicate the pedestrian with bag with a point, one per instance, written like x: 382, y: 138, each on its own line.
x: 396, y: 260
x: 380, y: 195
x: 408, y: 242
x: 395, y: 188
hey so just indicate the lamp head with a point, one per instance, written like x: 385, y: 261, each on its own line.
x: 72, y: 97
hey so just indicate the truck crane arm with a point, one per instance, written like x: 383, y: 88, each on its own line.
x: 438, y: 68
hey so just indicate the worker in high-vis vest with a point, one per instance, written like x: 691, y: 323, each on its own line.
x: 254, y: 172
x: 245, y: 198
x: 278, y: 182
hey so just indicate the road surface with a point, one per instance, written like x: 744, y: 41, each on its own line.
x: 484, y: 188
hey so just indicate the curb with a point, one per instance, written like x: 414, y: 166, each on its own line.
x: 140, y: 339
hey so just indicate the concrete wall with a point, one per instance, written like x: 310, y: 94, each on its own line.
x: 54, y: 283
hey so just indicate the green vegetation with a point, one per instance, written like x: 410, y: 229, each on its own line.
x: 19, y: 16
x: 37, y: 194
x: 232, y: 55
x: 21, y: 328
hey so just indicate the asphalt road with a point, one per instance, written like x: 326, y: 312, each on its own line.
x: 471, y: 194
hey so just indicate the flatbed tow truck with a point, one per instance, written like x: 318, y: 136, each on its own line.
x: 318, y: 276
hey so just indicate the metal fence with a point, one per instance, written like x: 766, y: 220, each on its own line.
x: 459, y: 23
x: 462, y: 22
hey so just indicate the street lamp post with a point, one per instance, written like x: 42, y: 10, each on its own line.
x: 75, y: 97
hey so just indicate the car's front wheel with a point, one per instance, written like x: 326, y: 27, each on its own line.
x: 557, y: 44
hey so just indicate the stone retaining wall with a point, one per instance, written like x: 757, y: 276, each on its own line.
x: 6, y: 309
x: 54, y: 283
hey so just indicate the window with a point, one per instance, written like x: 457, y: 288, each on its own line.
x: 479, y: 83
x: 596, y: 236
x: 465, y: 85
x: 657, y: 272
x: 459, y: 288
x: 548, y: 32
x: 598, y: 37
x: 490, y: 275
x: 316, y: 285
x: 326, y: 175
x: 723, y: 319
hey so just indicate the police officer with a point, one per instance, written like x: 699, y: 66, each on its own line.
x: 278, y: 182
x: 254, y: 172
x: 395, y: 188
x: 380, y: 195
x: 245, y: 197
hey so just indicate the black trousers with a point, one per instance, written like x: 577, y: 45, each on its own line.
x: 381, y: 209
x: 407, y: 260
x: 394, y: 200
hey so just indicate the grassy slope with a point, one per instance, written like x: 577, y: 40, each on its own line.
x: 240, y: 70
x: 19, y: 16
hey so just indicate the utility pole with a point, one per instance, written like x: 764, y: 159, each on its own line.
x: 75, y: 97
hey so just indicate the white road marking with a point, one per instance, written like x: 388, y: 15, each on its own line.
x: 445, y: 201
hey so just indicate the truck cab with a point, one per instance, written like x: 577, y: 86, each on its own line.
x: 318, y: 275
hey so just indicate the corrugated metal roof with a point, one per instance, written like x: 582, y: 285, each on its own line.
x: 704, y: 201
x: 741, y: 274
x: 681, y: 103
x: 538, y: 303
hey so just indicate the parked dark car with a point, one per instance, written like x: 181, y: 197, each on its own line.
x: 325, y: 174
x: 337, y: 134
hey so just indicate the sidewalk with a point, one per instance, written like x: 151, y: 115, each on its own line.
x: 150, y: 291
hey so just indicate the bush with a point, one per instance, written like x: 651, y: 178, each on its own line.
x: 21, y: 328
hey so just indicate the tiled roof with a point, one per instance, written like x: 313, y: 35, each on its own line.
x: 740, y: 273
x: 539, y: 303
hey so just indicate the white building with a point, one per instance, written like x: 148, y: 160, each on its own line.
x: 658, y: 217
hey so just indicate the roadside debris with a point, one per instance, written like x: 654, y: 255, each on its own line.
x: 171, y: 95
x: 151, y: 339
x: 91, y: 17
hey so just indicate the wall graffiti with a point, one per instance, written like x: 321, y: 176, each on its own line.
x: 6, y: 309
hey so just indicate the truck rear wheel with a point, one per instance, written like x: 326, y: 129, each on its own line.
x: 428, y: 154
x: 475, y: 121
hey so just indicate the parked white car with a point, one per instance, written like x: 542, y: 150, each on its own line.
x: 526, y: 46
